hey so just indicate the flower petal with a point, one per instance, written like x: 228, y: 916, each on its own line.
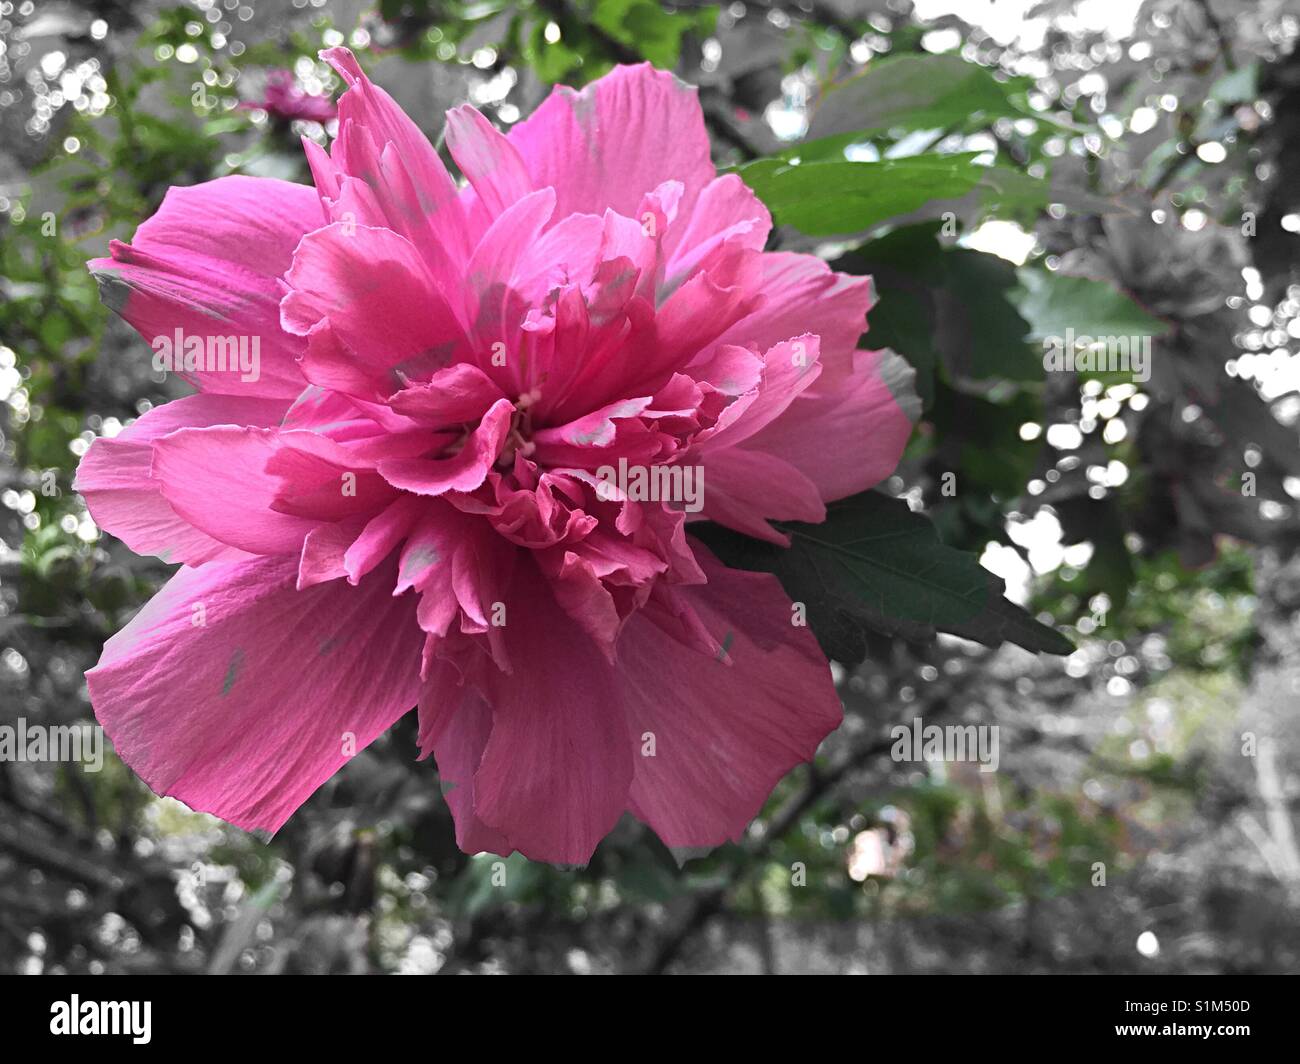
x: 722, y: 737
x: 804, y: 294
x: 455, y: 724
x: 127, y: 502
x: 464, y: 471
x: 459, y: 393
x: 727, y: 210
x: 555, y: 772
x: 216, y: 479
x: 849, y: 441
x: 376, y: 292
x: 488, y: 159
x: 208, y: 264
x: 619, y: 138
x: 745, y: 489
x: 370, y: 119
x: 240, y: 695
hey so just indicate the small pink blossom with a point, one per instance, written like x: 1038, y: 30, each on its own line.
x: 282, y: 98
x: 407, y: 505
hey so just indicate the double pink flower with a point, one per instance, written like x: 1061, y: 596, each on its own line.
x: 406, y: 506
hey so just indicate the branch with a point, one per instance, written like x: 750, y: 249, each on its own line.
x: 708, y: 903
x: 1216, y: 27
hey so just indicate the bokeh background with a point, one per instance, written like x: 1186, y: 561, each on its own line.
x: 1153, y: 522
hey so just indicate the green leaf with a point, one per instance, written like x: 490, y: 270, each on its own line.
x: 914, y: 92
x: 1013, y: 195
x: 552, y: 62
x: 652, y: 31
x: 875, y: 564
x: 1053, y: 303
x: 838, y: 197
x: 1237, y: 86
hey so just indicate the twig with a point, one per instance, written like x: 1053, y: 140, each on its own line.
x: 1216, y: 27
x: 709, y: 901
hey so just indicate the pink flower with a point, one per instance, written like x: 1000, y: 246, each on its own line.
x: 407, y: 504
x: 283, y: 99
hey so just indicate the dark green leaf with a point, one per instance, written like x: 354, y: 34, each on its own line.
x: 875, y: 564
x: 951, y: 301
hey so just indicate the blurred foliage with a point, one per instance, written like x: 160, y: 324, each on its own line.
x: 1134, y: 179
